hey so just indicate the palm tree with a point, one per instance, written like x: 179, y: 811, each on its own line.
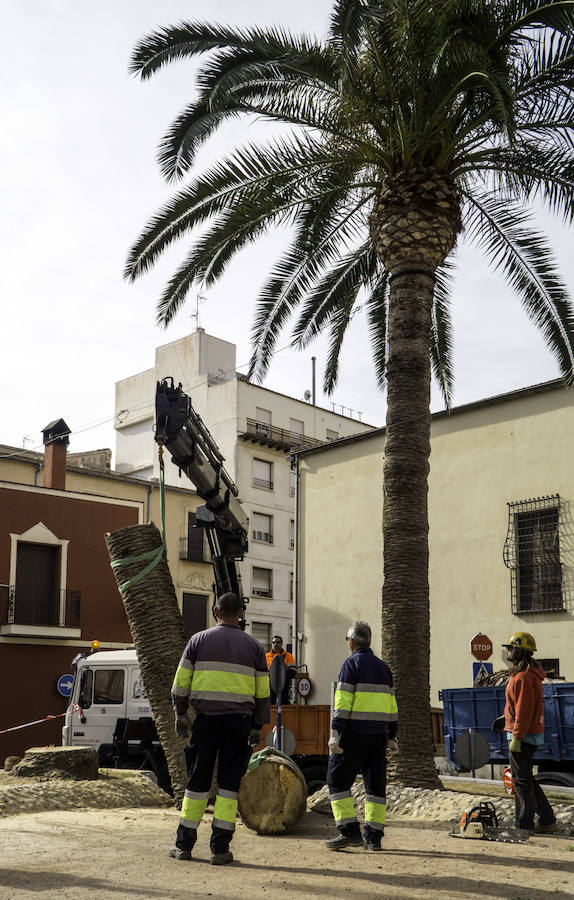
x: 413, y: 121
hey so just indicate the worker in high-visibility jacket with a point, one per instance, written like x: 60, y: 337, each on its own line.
x: 223, y: 675
x: 363, y: 729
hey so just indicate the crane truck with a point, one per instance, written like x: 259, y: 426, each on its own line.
x: 108, y: 708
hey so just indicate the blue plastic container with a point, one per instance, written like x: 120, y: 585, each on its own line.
x: 476, y: 708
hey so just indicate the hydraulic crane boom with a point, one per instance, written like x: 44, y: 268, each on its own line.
x: 193, y: 450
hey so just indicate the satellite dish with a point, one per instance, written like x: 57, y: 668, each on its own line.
x: 307, y: 396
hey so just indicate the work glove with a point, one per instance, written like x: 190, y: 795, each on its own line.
x: 182, y: 727
x: 515, y: 745
x: 334, y: 743
x: 392, y: 747
x: 498, y: 724
x: 254, y: 737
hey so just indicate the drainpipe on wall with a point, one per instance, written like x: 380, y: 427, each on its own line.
x: 297, y: 641
x: 39, y: 468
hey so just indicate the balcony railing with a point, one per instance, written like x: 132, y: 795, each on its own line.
x: 263, y: 483
x: 262, y: 592
x: 264, y: 536
x: 270, y: 435
x: 192, y: 551
x: 29, y: 606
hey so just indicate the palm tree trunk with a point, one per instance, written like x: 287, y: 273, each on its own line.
x: 158, y: 633
x: 405, y: 607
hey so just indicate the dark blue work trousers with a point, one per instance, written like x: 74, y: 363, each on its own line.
x: 225, y: 738
x: 365, y: 754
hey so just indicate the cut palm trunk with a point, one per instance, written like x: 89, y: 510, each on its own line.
x: 158, y: 633
x: 272, y: 795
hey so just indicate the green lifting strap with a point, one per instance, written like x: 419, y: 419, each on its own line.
x: 153, y: 555
x: 258, y: 758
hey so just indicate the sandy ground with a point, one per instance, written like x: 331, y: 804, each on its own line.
x: 122, y: 853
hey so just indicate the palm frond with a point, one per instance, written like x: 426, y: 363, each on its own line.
x: 441, y: 333
x: 376, y: 307
x: 502, y: 231
x: 355, y: 270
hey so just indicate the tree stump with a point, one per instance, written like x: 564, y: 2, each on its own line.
x: 66, y: 762
x: 273, y: 795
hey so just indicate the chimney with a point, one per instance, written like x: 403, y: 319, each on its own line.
x: 55, y: 444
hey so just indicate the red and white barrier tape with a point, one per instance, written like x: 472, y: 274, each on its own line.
x: 75, y: 708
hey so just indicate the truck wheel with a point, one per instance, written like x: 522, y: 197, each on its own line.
x: 315, y: 777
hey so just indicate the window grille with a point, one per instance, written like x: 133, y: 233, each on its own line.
x: 532, y: 553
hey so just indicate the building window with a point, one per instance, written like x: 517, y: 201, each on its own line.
x: 263, y: 474
x: 263, y: 421
x: 192, y: 543
x: 261, y: 631
x: 292, y: 534
x: 296, y: 432
x: 262, y: 528
x: 291, y: 586
x: 332, y: 435
x: 194, y: 613
x: 292, y: 483
x: 262, y: 582
x: 532, y: 553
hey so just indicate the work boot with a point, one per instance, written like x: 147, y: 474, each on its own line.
x: 222, y: 859
x: 549, y: 828
x: 176, y: 853
x: 344, y: 840
x: 372, y: 847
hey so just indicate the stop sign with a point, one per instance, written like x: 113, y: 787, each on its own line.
x: 481, y: 646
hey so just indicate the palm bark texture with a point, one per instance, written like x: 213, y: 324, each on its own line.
x: 411, y: 125
x: 158, y: 634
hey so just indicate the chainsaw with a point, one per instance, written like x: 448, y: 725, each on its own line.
x: 481, y: 823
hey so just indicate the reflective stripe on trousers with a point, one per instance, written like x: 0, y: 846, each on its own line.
x: 343, y: 807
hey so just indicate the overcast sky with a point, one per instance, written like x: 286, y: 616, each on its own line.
x: 79, y: 180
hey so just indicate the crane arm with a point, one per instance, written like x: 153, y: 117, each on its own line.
x: 181, y: 430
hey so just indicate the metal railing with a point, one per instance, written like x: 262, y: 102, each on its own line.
x: 283, y: 438
x: 192, y: 551
x: 265, y: 537
x: 20, y: 605
x: 263, y: 483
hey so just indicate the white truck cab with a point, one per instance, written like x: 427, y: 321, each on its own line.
x: 109, y: 711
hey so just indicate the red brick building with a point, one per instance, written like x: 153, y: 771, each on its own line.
x: 57, y: 591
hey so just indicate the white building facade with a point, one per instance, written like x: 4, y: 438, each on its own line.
x: 256, y: 430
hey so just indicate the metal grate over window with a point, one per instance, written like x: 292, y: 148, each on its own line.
x: 532, y: 553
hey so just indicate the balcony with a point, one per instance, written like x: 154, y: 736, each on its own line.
x: 264, y: 537
x: 26, y: 610
x: 279, y: 438
x: 262, y: 592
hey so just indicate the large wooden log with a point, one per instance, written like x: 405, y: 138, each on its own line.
x: 273, y: 795
x: 158, y: 634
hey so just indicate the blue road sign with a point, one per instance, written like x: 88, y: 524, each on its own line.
x: 65, y: 685
x: 481, y: 668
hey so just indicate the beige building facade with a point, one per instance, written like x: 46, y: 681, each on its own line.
x: 501, y: 539
x: 256, y: 430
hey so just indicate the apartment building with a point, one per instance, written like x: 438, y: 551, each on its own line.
x: 257, y: 430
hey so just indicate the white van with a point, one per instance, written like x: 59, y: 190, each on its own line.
x: 109, y: 711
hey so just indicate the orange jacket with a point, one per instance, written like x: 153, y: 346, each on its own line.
x: 289, y: 659
x: 524, y: 712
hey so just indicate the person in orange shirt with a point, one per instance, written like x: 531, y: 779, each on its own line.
x: 523, y: 720
x: 290, y: 665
